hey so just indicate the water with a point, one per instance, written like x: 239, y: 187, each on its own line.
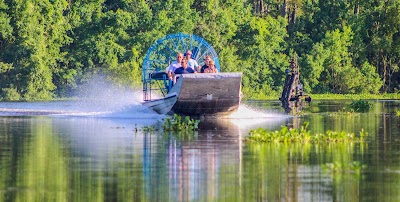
x: 91, y: 150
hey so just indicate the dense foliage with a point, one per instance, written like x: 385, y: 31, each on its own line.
x: 49, y: 47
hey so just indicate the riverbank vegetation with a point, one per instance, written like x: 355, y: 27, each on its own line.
x: 48, y: 48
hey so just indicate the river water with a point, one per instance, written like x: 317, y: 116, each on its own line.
x: 97, y: 151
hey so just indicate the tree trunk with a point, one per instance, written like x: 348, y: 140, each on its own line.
x: 384, y: 70
x: 258, y: 7
x: 284, y: 9
x: 262, y: 7
x: 357, y: 8
x: 255, y: 6
x: 293, y: 14
x: 390, y: 74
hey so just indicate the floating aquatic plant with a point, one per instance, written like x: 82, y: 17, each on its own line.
x: 146, y: 129
x: 303, y: 135
x: 343, y: 112
x: 177, y: 123
x: 360, y: 106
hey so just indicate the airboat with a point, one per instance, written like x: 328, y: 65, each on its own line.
x: 197, y: 94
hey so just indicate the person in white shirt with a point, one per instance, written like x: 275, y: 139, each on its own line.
x: 175, y: 65
x: 191, y: 62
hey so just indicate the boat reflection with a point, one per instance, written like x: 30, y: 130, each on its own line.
x: 193, y: 167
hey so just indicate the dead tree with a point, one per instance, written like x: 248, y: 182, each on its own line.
x: 292, y: 95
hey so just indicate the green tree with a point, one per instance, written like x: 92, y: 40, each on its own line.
x: 218, y: 24
x: 5, y: 26
x: 52, y: 46
x: 331, y: 62
x: 382, y: 38
x: 314, y: 66
x: 371, y: 82
x: 39, y: 32
x: 261, y: 45
x: 6, y: 38
x: 340, y: 75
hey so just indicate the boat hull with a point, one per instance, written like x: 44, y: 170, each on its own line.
x: 216, y: 94
x: 162, y: 105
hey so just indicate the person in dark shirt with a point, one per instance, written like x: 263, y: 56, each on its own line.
x: 207, y: 59
x: 185, y: 69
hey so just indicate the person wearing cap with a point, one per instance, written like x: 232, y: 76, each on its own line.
x: 191, y: 62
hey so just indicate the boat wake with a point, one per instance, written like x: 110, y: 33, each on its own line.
x: 248, y: 118
x: 96, y: 99
x: 74, y: 109
x: 99, y: 99
x: 246, y: 112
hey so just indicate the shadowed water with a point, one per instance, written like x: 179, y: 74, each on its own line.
x: 91, y: 150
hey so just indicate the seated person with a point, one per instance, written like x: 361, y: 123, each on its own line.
x: 175, y: 65
x: 191, y: 62
x: 185, y: 69
x: 205, y: 66
x: 212, y: 68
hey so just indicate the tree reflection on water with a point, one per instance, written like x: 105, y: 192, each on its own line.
x: 91, y: 159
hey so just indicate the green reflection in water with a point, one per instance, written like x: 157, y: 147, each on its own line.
x: 114, y: 175
x: 36, y: 168
x: 37, y: 164
x: 279, y: 171
x: 7, y: 156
